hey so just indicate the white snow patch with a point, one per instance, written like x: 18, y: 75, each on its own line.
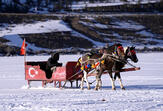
x: 131, y: 25
x: 15, y: 40
x: 98, y: 25
x: 38, y: 27
x: 82, y: 5
x: 145, y: 33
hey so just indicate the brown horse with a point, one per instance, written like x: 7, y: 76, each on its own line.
x: 115, y: 64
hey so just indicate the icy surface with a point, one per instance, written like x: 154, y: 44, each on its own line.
x: 144, y: 89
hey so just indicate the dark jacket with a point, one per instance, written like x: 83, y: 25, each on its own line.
x: 52, y: 61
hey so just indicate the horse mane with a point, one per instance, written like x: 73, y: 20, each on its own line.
x: 125, y: 49
x: 112, y: 48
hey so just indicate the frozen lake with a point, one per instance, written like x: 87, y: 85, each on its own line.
x: 144, y: 88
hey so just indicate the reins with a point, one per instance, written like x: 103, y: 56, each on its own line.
x: 112, y: 57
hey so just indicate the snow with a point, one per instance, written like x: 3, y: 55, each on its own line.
x: 38, y: 27
x: 10, y: 32
x: 130, y: 25
x: 144, y: 89
x: 82, y: 5
x: 98, y: 25
x: 145, y: 33
x: 15, y: 40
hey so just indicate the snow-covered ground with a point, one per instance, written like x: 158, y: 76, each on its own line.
x: 144, y: 89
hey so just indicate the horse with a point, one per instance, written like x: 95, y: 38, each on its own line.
x: 88, y: 62
x: 97, y: 59
x: 114, y: 64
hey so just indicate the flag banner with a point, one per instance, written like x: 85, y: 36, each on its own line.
x: 22, y: 50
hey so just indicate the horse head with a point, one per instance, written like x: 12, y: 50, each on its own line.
x: 130, y: 53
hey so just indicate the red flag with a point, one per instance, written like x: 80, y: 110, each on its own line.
x: 22, y: 50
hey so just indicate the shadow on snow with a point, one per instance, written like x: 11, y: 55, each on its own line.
x: 137, y: 87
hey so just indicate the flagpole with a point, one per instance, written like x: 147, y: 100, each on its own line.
x: 25, y: 58
x: 23, y: 52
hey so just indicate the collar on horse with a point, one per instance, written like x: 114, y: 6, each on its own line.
x: 120, y: 47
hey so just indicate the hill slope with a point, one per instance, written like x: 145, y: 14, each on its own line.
x: 50, y: 33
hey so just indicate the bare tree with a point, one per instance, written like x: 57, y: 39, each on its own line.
x: 47, y: 2
x: 0, y: 4
x: 38, y: 3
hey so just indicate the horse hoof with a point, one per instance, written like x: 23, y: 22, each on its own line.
x: 89, y: 88
x: 82, y: 88
x: 96, y: 89
x: 123, y: 88
x: 114, y: 89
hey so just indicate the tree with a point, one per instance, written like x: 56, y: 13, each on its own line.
x: 47, y: 2
x: 68, y: 4
x: 0, y: 4
x: 58, y: 5
x: 38, y: 3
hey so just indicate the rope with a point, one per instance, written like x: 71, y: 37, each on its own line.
x: 119, y: 60
x: 131, y: 64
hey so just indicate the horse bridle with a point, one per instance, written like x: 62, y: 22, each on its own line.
x: 130, y: 53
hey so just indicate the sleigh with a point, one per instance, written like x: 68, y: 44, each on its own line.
x: 35, y: 71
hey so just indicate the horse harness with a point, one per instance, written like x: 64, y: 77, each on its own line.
x: 115, y: 53
x: 90, y: 66
x: 115, y: 56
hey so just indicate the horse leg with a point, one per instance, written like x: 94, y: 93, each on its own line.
x: 115, y: 76
x: 120, y: 80
x: 112, y: 81
x: 82, y: 82
x: 85, y: 77
x: 97, y: 83
x: 98, y: 80
x: 100, y: 83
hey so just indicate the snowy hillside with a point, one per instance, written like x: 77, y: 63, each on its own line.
x: 144, y: 89
x: 70, y: 32
x: 12, y: 32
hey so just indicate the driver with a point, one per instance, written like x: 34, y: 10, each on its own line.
x: 51, y: 64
